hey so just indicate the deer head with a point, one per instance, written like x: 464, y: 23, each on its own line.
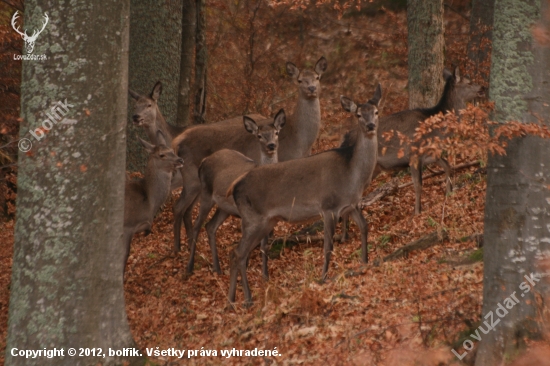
x: 29, y: 40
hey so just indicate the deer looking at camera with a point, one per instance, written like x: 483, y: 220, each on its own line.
x: 327, y: 184
x: 216, y: 174
x: 295, y: 141
x: 458, y: 91
x: 143, y: 197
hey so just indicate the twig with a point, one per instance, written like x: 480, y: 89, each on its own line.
x: 424, y: 242
x: 458, y: 167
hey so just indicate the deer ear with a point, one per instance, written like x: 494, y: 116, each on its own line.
x: 321, y: 65
x: 447, y: 74
x: 133, y: 94
x: 280, y: 119
x: 377, y: 95
x: 348, y: 104
x: 157, y: 90
x: 292, y: 70
x: 457, y: 74
x: 161, y: 139
x: 250, y: 125
x: 149, y: 147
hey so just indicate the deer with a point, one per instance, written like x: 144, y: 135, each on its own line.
x: 147, y: 115
x: 458, y: 91
x: 295, y: 141
x: 29, y: 40
x: 219, y: 170
x: 327, y: 185
x: 143, y: 197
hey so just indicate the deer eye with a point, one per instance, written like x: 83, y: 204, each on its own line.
x: 162, y: 155
x: 149, y: 105
x: 276, y: 133
x: 376, y: 113
x: 317, y: 78
x: 260, y: 137
x: 358, y: 115
x: 299, y: 81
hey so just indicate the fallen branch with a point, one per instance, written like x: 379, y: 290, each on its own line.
x: 385, y: 190
x: 424, y: 242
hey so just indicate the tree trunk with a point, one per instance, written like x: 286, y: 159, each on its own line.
x: 155, y: 41
x: 426, y: 51
x: 189, y: 26
x: 481, y: 35
x: 200, y: 64
x: 66, y: 284
x: 517, y: 212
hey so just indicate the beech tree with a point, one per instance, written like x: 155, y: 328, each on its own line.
x: 517, y: 211
x: 426, y: 51
x: 66, y: 285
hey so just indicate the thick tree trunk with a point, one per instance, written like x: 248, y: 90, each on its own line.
x: 517, y: 211
x: 426, y: 51
x: 155, y: 41
x: 481, y: 35
x: 189, y: 27
x: 66, y: 286
x: 200, y: 64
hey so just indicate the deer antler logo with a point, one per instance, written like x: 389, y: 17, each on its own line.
x: 29, y: 40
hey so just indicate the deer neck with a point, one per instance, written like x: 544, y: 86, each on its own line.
x: 268, y: 159
x: 169, y: 131
x: 301, y: 130
x: 365, y: 155
x: 157, y: 185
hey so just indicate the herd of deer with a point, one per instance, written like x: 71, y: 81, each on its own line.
x: 264, y: 173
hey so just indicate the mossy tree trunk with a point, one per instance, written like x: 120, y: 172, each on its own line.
x: 66, y: 285
x: 517, y: 211
x: 481, y: 35
x: 155, y: 44
x: 189, y: 27
x: 426, y: 51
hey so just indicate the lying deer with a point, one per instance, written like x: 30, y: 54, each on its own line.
x: 295, y: 141
x: 328, y: 184
x: 143, y: 197
x: 216, y: 174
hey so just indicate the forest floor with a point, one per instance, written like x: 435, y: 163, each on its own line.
x: 408, y: 311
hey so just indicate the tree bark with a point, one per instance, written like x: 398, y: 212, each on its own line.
x: 426, y: 52
x: 201, y: 58
x: 481, y: 35
x: 66, y: 285
x: 155, y: 41
x: 189, y: 26
x: 517, y: 212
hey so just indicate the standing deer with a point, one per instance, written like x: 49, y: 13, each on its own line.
x: 29, y: 40
x: 457, y: 92
x: 216, y: 174
x: 295, y: 141
x: 143, y: 197
x: 328, y: 184
x: 147, y: 115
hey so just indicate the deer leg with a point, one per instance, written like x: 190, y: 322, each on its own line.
x: 329, y: 222
x: 204, y: 210
x: 357, y: 216
x: 416, y: 174
x: 345, y: 223
x: 263, y: 249
x: 211, y: 229
x: 187, y: 198
x: 127, y: 242
x: 252, y: 234
x: 447, y: 168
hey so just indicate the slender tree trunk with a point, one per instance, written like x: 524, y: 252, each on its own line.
x: 426, y: 51
x: 66, y: 286
x: 155, y: 41
x: 481, y: 35
x: 189, y: 27
x: 517, y: 211
x: 201, y: 58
